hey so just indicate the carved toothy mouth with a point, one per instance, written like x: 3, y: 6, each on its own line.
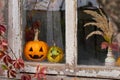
x: 35, y: 56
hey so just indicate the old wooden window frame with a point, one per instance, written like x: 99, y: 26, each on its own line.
x: 15, y: 40
x: 70, y: 67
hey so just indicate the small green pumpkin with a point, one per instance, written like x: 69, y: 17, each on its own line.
x: 55, y: 54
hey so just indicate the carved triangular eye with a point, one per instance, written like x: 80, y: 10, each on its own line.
x: 31, y: 49
x: 41, y: 50
x: 58, y: 52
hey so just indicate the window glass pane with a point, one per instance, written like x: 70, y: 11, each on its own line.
x: 94, y: 36
x: 47, y: 16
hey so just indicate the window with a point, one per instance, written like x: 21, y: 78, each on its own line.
x: 89, y: 48
x: 70, y: 36
x: 51, y: 22
x: 92, y: 58
x: 49, y: 18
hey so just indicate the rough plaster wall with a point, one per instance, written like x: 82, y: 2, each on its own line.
x: 111, y: 7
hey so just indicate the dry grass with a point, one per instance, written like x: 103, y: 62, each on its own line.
x: 101, y: 22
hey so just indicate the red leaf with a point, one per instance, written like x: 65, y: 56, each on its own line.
x: 40, y: 72
x: 43, y: 70
x: 18, y: 64
x: 3, y: 45
x: 7, y: 59
x: 2, y: 29
x: 25, y: 77
x: 4, y: 42
x: 104, y: 45
x: 12, y: 73
x: 114, y: 46
x: 1, y: 54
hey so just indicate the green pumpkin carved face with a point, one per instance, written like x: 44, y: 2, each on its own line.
x: 55, y: 54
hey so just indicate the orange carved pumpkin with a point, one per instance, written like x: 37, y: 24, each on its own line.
x: 36, y: 50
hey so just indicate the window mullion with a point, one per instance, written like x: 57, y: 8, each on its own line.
x: 71, y: 33
x: 14, y: 29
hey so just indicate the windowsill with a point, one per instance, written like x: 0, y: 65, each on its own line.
x: 98, y: 71
x: 52, y: 68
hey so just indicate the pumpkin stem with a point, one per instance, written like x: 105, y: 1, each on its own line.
x: 36, y: 34
x: 54, y: 44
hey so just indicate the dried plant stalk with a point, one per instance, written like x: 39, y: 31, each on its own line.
x: 94, y: 32
x: 101, y: 22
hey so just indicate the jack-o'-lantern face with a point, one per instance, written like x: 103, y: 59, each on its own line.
x: 55, y: 54
x: 35, y: 50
